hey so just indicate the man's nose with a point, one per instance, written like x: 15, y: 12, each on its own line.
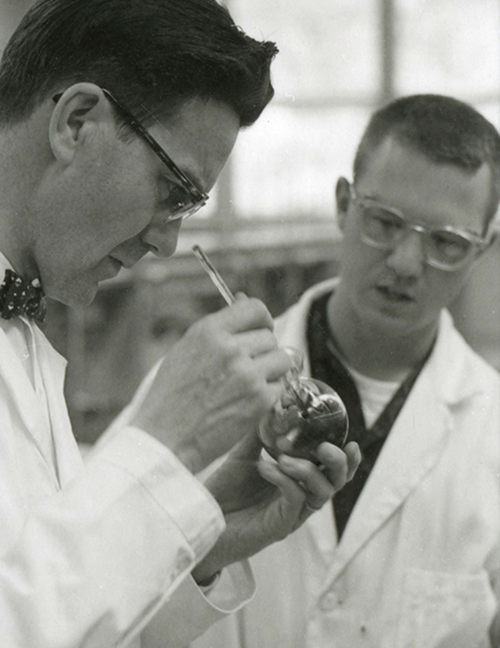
x: 407, y: 258
x: 161, y: 238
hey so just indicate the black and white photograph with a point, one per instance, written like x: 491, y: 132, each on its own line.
x: 249, y: 324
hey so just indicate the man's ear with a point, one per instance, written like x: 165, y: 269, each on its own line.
x: 77, y: 114
x: 343, y: 200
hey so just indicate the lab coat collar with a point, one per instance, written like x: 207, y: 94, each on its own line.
x: 447, y: 362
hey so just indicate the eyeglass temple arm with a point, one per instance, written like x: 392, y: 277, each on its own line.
x: 134, y: 123
x: 137, y: 126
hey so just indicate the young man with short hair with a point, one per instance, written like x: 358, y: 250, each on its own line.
x: 408, y: 554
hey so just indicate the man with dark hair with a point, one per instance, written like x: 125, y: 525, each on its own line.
x: 408, y: 555
x: 93, y: 93
x: 153, y: 56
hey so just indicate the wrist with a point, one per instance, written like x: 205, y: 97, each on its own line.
x: 207, y: 583
x: 206, y: 572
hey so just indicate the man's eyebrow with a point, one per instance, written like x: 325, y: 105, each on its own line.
x: 375, y: 198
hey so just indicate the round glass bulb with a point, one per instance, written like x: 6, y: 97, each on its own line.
x: 308, y: 413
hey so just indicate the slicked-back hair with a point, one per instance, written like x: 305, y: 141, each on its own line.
x: 153, y: 55
x: 444, y: 129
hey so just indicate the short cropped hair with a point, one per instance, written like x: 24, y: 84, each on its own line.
x: 444, y: 129
x: 153, y: 55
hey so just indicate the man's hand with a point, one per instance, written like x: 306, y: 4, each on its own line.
x: 264, y: 501
x: 214, y: 385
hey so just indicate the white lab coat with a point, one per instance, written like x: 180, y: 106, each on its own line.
x: 419, y: 560
x: 89, y: 553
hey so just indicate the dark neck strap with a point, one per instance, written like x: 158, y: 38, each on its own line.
x: 327, y: 366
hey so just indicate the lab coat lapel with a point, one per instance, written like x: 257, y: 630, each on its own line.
x: 413, y: 447
x: 19, y: 388
x: 67, y: 454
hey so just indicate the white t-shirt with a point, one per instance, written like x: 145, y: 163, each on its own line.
x: 374, y: 395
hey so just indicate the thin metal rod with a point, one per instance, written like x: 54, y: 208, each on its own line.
x: 217, y: 280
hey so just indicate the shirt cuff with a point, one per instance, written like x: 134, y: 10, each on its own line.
x: 233, y: 588
x: 189, y: 613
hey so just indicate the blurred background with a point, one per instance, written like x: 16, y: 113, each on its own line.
x: 269, y: 225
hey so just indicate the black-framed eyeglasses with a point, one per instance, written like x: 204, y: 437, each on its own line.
x: 446, y: 248
x: 185, y: 198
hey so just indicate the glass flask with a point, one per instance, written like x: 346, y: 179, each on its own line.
x: 308, y: 413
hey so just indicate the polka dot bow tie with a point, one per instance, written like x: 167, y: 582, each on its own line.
x: 18, y: 297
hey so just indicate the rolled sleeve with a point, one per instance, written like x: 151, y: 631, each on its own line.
x: 95, y: 562
x: 168, y: 482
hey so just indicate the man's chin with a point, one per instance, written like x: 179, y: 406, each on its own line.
x: 78, y: 296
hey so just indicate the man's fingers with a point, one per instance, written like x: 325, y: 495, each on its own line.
x: 273, y: 365
x: 244, y: 315
x: 335, y: 462
x: 257, y: 341
x: 340, y: 465
x: 353, y: 459
x: 317, y: 487
x: 288, y: 487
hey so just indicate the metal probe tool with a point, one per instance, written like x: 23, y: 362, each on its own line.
x: 217, y: 280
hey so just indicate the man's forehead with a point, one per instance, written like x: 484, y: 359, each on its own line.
x: 403, y: 177
x: 394, y: 147
x: 394, y: 157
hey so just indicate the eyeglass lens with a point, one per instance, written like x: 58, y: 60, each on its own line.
x: 385, y: 229
x: 180, y: 204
